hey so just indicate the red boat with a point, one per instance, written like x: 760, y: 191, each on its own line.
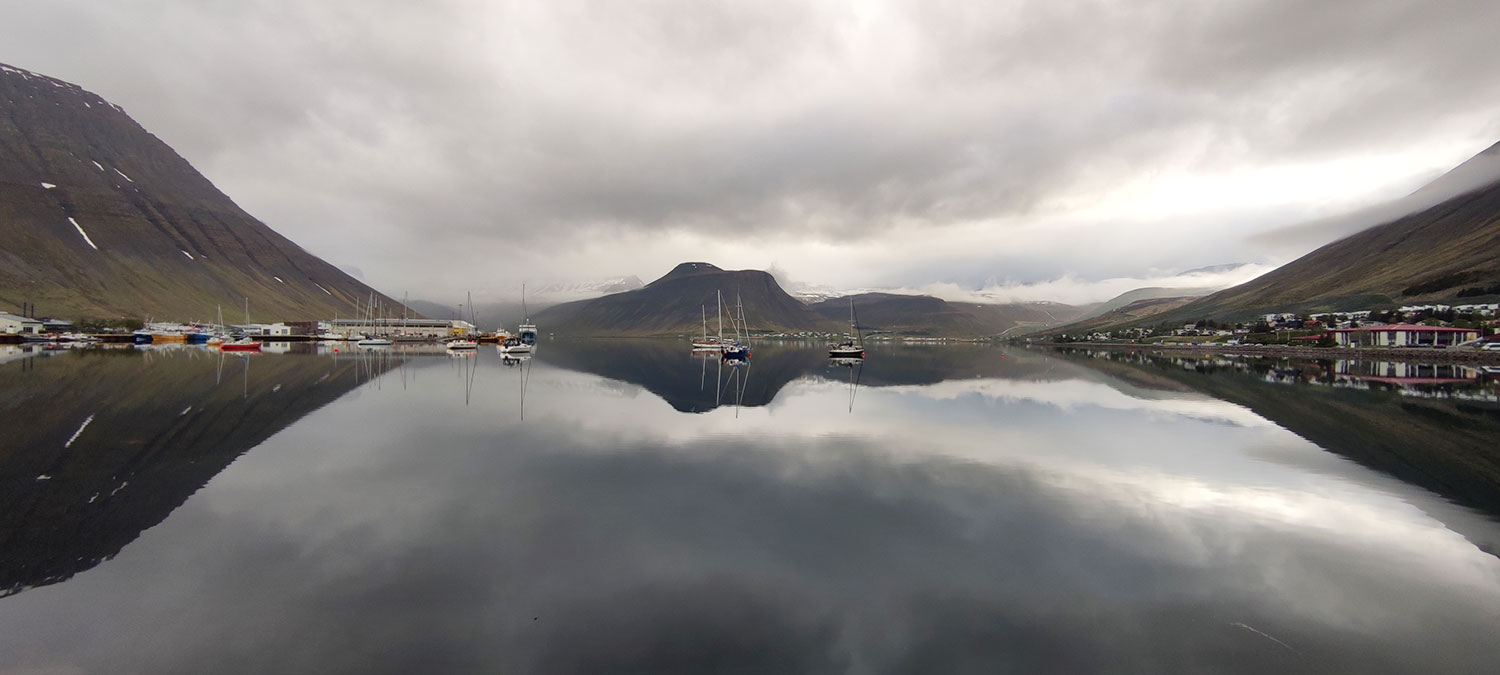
x: 245, y: 345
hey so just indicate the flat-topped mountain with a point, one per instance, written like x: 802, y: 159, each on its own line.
x: 100, y: 218
x: 675, y: 304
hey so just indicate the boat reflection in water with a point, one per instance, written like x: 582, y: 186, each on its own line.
x: 521, y: 362
x: 856, y: 367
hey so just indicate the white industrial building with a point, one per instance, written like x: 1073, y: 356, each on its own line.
x: 19, y: 325
x: 436, y: 328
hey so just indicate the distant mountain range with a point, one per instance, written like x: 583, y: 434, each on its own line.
x: 676, y: 303
x: 99, y: 218
x: 924, y: 315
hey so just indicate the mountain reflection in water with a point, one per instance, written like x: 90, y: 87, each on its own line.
x: 966, y: 512
x: 102, y: 443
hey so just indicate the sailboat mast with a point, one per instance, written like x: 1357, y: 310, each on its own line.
x: 720, y: 296
x: 739, y: 325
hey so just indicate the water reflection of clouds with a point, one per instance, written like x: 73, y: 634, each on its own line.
x: 789, y: 554
x: 1070, y: 395
x: 973, y: 526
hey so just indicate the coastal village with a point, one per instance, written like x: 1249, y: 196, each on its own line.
x: 1408, y: 326
x: 17, y: 328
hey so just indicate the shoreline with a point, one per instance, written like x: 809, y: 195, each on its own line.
x: 1408, y: 355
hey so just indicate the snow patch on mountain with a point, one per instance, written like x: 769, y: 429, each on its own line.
x: 85, y: 234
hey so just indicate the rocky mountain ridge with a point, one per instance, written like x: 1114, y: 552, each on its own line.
x: 100, y: 218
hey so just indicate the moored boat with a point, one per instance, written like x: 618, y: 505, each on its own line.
x: 514, y: 345
x: 733, y: 350
x: 853, y: 345
x: 707, y: 342
x: 526, y: 332
x: 241, y: 345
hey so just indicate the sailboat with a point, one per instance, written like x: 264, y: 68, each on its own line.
x: 245, y: 343
x: 527, y: 329
x: 465, y: 342
x: 373, y: 340
x: 405, y: 334
x: 852, y: 347
x: 733, y: 350
x: 219, y: 334
x: 707, y: 342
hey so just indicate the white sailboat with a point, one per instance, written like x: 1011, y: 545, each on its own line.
x: 707, y: 342
x: 733, y: 350
x: 852, y: 347
x: 466, y: 342
x: 373, y: 340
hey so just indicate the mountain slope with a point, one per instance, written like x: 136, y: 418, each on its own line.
x: 1129, y: 298
x: 674, y: 305
x: 1432, y: 253
x: 100, y: 218
x: 1134, y: 314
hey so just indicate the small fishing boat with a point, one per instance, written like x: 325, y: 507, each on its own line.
x: 462, y: 344
x: 244, y: 344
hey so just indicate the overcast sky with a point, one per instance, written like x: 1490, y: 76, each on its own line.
x: 458, y: 145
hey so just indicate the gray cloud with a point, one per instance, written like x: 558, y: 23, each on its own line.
x: 457, y: 133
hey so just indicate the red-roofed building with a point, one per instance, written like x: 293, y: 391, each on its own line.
x: 1403, y: 335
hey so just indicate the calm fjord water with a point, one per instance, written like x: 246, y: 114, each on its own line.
x: 626, y: 506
